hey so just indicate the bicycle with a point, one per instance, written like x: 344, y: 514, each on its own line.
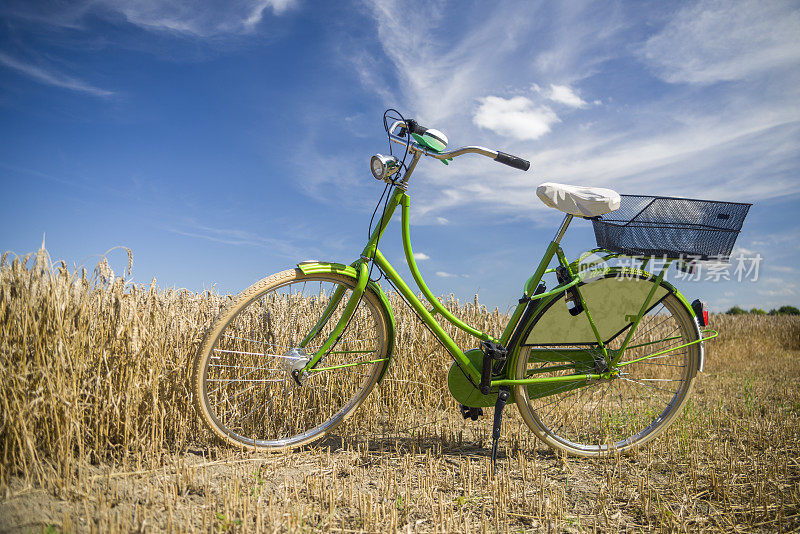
x: 600, y: 364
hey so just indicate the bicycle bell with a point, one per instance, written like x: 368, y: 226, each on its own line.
x: 432, y: 139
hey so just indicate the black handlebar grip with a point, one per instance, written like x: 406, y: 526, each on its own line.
x: 513, y: 161
x: 414, y: 127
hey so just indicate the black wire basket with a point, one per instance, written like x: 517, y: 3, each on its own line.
x: 671, y: 227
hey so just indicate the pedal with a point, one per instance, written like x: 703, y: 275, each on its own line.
x: 469, y: 412
x: 492, y: 353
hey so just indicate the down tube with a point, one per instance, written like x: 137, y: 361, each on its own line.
x: 425, y: 315
x: 405, y: 202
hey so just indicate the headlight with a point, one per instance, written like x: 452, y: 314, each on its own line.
x: 383, y: 166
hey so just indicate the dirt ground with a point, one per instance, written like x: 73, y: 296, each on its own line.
x: 424, y: 482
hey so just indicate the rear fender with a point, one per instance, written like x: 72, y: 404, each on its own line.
x: 316, y: 267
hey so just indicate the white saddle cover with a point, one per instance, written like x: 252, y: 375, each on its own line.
x: 577, y: 200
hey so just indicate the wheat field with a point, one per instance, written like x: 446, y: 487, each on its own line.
x: 98, y: 433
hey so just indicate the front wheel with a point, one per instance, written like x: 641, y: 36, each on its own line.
x: 645, y: 391
x: 243, y: 381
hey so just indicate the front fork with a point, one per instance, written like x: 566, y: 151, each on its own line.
x: 333, y: 337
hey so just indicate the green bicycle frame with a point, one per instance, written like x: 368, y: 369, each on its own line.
x: 371, y: 252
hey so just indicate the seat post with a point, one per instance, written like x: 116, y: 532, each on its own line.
x: 563, y: 228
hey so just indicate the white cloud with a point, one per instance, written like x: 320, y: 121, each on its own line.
x: 565, y: 95
x: 51, y: 77
x: 718, y: 40
x: 421, y: 256
x: 445, y: 274
x: 516, y: 117
x: 654, y: 162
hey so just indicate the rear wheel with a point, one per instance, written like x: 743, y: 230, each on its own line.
x: 647, y: 389
x: 243, y: 383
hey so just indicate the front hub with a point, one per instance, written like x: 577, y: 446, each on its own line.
x: 294, y: 360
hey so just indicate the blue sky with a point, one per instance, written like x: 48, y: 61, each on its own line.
x: 224, y: 141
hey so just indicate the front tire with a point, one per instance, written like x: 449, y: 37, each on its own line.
x: 242, y: 379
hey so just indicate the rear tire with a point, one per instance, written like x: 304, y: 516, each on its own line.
x: 607, y: 416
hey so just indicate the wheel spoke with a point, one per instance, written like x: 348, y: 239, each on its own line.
x: 255, y: 341
x: 258, y: 354
x: 228, y: 380
x: 649, y: 388
x: 243, y: 367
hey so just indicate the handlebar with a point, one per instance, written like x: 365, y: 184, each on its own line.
x: 412, y: 126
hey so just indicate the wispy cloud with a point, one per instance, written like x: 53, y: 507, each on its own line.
x: 440, y: 72
x: 235, y: 237
x: 201, y: 18
x: 573, y: 40
x: 421, y: 256
x: 197, y: 18
x: 782, y: 292
x: 696, y: 148
x: 52, y: 77
x: 720, y: 40
x: 445, y: 274
x: 716, y: 161
x: 192, y: 19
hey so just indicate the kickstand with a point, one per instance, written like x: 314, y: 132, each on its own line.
x: 502, y: 399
